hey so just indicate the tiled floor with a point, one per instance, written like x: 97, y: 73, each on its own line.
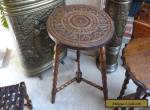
x: 76, y: 96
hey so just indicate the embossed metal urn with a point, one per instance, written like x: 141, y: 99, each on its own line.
x: 118, y: 10
x: 27, y: 19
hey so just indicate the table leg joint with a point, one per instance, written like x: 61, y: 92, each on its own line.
x: 92, y: 84
x: 78, y: 76
x: 66, y: 84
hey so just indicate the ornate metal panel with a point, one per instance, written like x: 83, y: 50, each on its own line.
x: 118, y: 10
x: 28, y: 21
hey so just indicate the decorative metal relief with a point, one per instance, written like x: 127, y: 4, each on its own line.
x: 32, y: 38
x: 118, y: 10
x: 31, y: 34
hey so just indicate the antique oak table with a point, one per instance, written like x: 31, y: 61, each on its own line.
x: 79, y: 27
x: 136, y: 60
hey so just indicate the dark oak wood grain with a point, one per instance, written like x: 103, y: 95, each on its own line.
x: 136, y: 60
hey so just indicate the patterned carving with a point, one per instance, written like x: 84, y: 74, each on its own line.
x: 79, y: 25
x: 119, y: 13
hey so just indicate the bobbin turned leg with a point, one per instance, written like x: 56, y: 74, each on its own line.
x: 137, y: 95
x: 102, y: 61
x: 55, y: 71
x: 78, y: 73
x: 124, y: 86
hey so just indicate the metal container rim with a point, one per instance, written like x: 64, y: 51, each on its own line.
x: 122, y: 2
x: 28, y: 8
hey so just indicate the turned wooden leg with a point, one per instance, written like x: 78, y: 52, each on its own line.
x: 102, y: 62
x: 124, y: 86
x: 138, y: 92
x: 137, y: 95
x: 55, y: 71
x: 78, y: 73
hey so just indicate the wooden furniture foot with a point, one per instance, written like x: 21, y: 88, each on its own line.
x: 102, y: 60
x: 78, y: 73
x: 55, y: 71
x: 124, y: 86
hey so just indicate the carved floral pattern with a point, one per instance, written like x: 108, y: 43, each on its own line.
x: 77, y: 25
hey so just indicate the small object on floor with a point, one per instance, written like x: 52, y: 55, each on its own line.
x: 14, y: 97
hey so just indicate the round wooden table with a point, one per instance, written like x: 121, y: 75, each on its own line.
x: 136, y: 60
x: 80, y: 27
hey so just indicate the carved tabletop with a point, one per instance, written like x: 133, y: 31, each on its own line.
x: 137, y: 58
x: 80, y: 26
